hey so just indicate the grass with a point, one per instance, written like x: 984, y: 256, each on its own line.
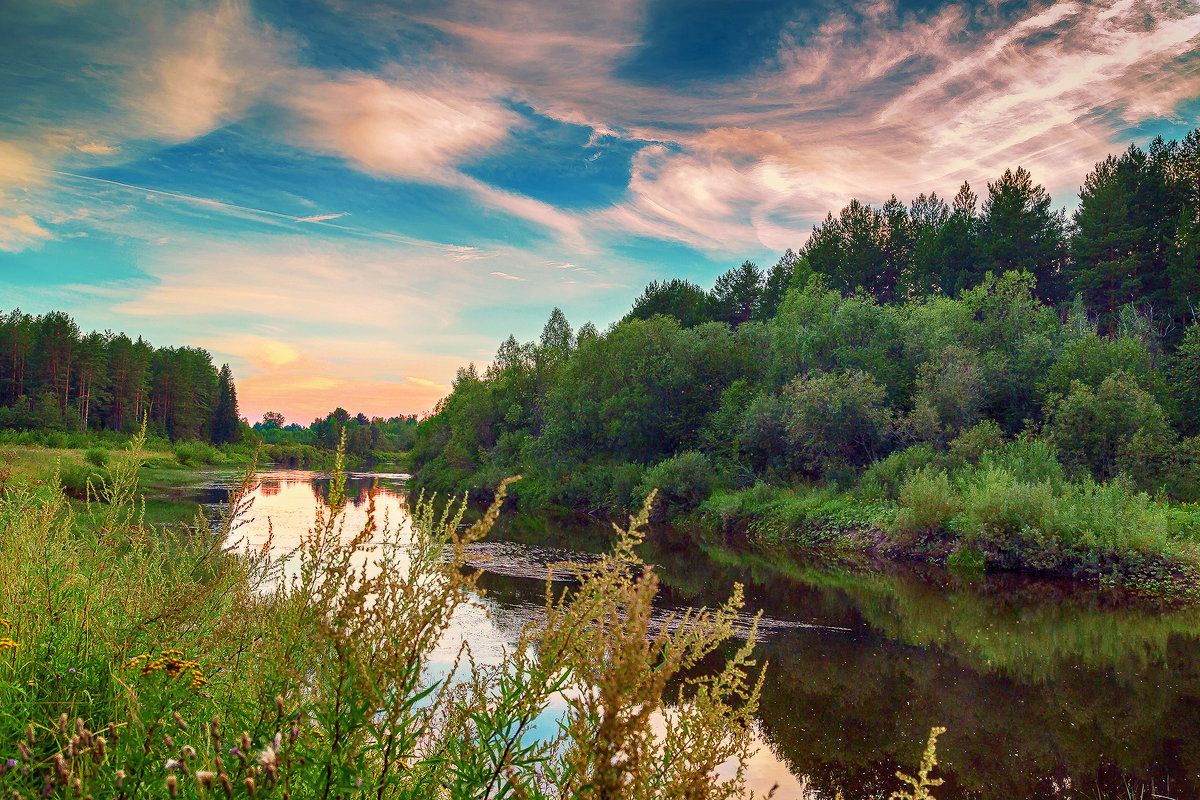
x: 1008, y: 507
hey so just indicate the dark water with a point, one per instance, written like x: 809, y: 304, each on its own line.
x: 1047, y: 689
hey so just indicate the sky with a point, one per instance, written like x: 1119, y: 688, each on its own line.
x: 348, y: 200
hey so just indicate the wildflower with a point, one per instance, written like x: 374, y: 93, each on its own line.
x: 172, y: 787
x: 120, y: 778
x: 11, y: 763
x: 23, y: 749
x: 7, y: 643
x: 279, y: 704
x: 250, y: 786
x: 179, y: 720
x: 205, y: 778
x: 60, y: 768
x: 172, y: 764
x: 189, y: 752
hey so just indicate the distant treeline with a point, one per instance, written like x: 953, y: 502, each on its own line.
x: 892, y: 334
x: 55, y: 377
x: 376, y: 438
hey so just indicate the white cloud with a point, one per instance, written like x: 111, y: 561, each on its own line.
x: 21, y: 232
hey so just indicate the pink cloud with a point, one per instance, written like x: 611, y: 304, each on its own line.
x: 393, y: 128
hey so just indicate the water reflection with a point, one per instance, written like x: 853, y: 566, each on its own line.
x: 1047, y: 689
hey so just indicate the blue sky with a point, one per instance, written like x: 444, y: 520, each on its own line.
x: 348, y: 200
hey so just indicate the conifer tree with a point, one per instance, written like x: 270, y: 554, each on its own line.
x: 225, y: 414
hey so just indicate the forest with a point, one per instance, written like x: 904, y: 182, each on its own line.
x: 375, y: 438
x: 987, y: 381
x: 54, y: 377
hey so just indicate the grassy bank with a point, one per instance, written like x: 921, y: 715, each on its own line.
x: 141, y: 662
x: 1008, y: 507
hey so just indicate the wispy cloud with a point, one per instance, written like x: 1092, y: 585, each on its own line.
x: 506, y: 276
x: 20, y: 232
x: 321, y: 217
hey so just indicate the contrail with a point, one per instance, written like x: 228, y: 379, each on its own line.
x: 321, y: 219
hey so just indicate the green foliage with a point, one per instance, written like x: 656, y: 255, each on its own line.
x: 1118, y: 427
x: 97, y: 456
x: 836, y: 419
x: 196, y: 454
x: 902, y: 341
x: 681, y: 482
x: 927, y: 503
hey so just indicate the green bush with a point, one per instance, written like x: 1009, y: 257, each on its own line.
x: 1117, y: 427
x: 969, y: 446
x: 196, y: 454
x: 927, y: 503
x: 683, y: 483
x: 74, y: 480
x: 97, y: 456
x: 56, y: 440
x: 883, y: 479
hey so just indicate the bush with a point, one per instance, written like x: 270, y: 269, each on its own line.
x: 74, y: 480
x: 195, y: 454
x: 1116, y: 427
x: 836, y: 419
x: 683, y: 483
x: 927, y: 503
x: 970, y: 445
x: 97, y: 456
x: 56, y: 440
x: 883, y: 479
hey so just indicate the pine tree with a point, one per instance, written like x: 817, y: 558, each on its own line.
x: 225, y: 414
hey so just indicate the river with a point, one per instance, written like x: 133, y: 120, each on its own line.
x: 1046, y: 688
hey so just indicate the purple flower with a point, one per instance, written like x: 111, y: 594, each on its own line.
x: 233, y: 751
x: 71, y: 670
x: 11, y: 763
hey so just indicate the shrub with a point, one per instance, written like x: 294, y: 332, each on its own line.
x: 927, y: 503
x: 683, y: 482
x: 74, y: 480
x: 97, y: 456
x: 195, y: 454
x: 970, y: 445
x: 1118, y: 426
x: 883, y: 479
x: 837, y: 419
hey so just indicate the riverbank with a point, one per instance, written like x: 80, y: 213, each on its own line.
x: 1012, y: 509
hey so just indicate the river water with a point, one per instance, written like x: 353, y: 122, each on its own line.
x: 1046, y: 688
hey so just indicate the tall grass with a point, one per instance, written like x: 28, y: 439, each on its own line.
x: 143, y: 663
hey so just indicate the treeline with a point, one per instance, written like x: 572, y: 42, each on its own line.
x: 55, y: 377
x: 376, y: 438
x: 922, y: 339
x: 1131, y: 249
